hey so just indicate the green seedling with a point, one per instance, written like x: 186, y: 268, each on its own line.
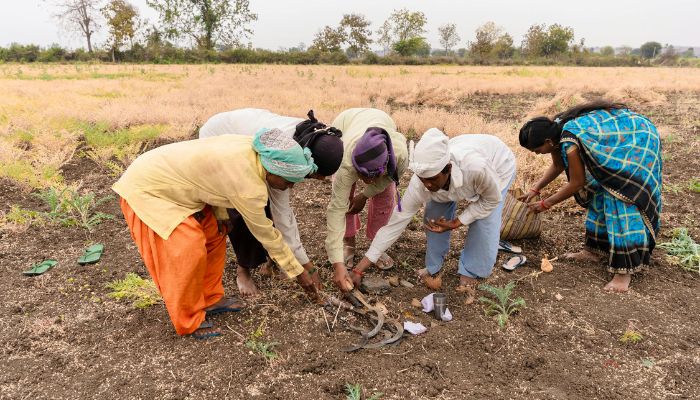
x: 503, y: 307
x: 631, y: 337
x: 265, y: 349
x: 694, y: 185
x: 683, y: 250
x: 68, y: 207
x: 353, y: 391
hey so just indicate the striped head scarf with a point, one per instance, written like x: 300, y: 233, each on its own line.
x: 282, y: 156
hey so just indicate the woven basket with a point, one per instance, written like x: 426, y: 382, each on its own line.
x: 517, y: 221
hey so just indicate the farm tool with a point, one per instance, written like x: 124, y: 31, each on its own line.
x: 392, y: 329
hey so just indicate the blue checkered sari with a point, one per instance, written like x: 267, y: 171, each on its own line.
x: 621, y: 151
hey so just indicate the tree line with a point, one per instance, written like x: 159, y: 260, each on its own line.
x: 194, y: 31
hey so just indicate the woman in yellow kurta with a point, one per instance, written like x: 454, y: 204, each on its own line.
x: 174, y: 199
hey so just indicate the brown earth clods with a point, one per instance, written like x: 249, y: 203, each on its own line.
x: 63, y: 337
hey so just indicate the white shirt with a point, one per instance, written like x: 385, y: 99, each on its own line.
x: 482, y: 167
x: 247, y: 122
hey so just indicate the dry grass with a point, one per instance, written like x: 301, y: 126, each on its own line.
x: 45, y: 110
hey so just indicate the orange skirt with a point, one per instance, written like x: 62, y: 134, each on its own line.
x: 187, y: 268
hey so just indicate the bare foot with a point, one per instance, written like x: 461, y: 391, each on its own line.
x: 349, y: 252
x: 467, y: 285
x: 583, y: 255
x: 430, y: 281
x: 246, y: 286
x: 620, y: 283
x: 267, y: 269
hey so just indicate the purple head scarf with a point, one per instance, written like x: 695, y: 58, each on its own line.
x: 373, y: 155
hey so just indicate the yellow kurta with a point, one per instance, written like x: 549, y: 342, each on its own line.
x: 353, y: 123
x: 166, y: 185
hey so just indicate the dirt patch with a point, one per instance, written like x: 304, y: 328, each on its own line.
x: 63, y: 337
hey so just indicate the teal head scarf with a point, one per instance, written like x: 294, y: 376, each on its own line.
x: 282, y: 156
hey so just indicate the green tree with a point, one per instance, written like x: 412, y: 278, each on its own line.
x: 607, y: 51
x: 448, y: 37
x: 503, y: 47
x: 209, y: 23
x: 384, y: 36
x: 558, y: 40
x: 406, y: 24
x: 123, y: 22
x: 80, y: 16
x: 650, y: 50
x: 329, y: 40
x: 413, y: 46
x: 688, y: 53
x: 540, y: 41
x: 357, y: 34
x: 486, y: 37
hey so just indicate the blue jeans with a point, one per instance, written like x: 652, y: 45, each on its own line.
x: 480, y: 246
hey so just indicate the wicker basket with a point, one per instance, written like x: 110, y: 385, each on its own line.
x: 517, y: 221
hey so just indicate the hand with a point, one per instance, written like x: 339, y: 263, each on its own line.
x: 442, y: 224
x: 525, y: 198
x: 357, y: 204
x: 305, y: 281
x: 313, y: 272
x: 538, y: 206
x: 341, y: 278
x: 356, y: 279
x: 225, y: 226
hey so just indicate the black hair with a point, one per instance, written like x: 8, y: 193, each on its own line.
x: 535, y: 131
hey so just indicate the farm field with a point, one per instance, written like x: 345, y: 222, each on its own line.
x: 68, y: 131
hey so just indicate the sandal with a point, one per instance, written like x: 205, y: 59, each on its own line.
x: 226, y: 306
x: 385, y: 262
x: 205, y: 335
x: 508, y: 247
x: 349, y: 258
x: 40, y: 268
x: 92, y: 254
x: 514, y: 262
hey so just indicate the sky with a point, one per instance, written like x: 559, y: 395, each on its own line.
x: 286, y: 23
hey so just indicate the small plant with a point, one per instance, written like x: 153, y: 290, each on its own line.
x: 504, y: 306
x: 69, y: 208
x: 142, y: 292
x: 631, y: 337
x: 20, y: 216
x: 263, y: 348
x: 648, y: 362
x: 354, y: 392
x: 683, y: 250
x: 694, y: 185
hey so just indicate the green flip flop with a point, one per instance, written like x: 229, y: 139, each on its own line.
x: 40, y: 268
x: 92, y: 254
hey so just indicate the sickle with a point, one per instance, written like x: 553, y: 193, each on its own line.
x: 393, y: 339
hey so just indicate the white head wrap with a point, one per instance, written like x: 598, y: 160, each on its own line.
x: 430, y: 155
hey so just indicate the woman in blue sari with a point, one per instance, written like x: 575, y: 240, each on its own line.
x: 612, y: 158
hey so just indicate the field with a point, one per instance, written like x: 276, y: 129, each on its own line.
x: 68, y: 131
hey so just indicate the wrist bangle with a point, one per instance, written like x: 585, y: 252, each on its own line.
x: 546, y: 207
x: 312, y: 270
x: 357, y: 272
x: 535, y: 191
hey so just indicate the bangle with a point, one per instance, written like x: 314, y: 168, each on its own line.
x: 312, y: 270
x: 535, y: 191
x: 546, y: 207
x: 357, y: 272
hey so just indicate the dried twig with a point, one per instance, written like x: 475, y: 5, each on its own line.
x: 323, y: 311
